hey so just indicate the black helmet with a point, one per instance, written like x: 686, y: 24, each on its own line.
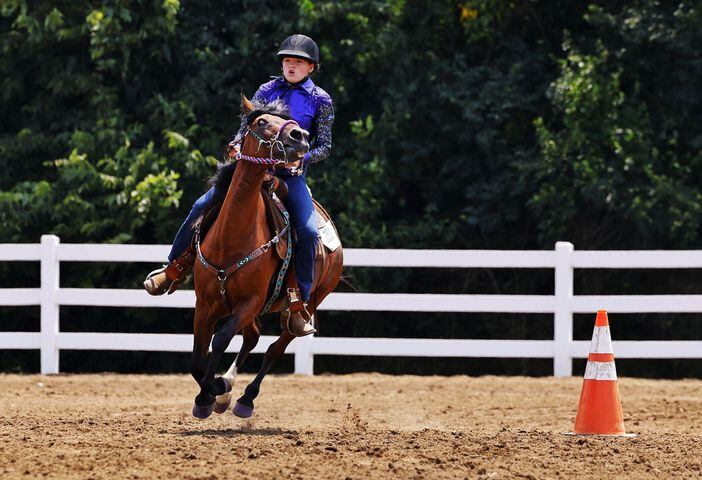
x: 299, y: 46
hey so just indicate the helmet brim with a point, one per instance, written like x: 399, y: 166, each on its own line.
x: 295, y: 54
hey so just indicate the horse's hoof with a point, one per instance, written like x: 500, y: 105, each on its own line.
x: 222, y: 403
x: 202, y: 412
x: 242, y: 411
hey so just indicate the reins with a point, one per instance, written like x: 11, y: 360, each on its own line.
x: 223, y: 274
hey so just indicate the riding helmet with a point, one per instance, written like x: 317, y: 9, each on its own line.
x: 299, y: 46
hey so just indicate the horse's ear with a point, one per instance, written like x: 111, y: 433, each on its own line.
x: 246, y: 105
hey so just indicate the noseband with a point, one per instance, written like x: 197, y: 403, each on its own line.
x: 274, y: 142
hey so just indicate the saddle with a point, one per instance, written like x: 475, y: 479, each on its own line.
x: 274, y: 192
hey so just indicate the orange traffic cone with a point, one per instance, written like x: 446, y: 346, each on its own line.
x: 600, y: 409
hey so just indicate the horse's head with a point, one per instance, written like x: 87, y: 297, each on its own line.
x: 272, y: 132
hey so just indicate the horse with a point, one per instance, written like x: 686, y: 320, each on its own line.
x: 241, y: 237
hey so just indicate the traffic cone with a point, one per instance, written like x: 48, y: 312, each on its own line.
x: 600, y: 409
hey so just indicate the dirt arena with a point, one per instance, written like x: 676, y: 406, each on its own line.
x: 347, y: 427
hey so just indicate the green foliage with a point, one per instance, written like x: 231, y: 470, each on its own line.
x: 619, y: 164
x: 93, y: 122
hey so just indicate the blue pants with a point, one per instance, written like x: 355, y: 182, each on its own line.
x: 299, y: 204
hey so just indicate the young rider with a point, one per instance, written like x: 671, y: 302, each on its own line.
x: 312, y: 108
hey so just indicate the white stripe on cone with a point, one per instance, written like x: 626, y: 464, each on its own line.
x: 600, y: 371
x: 601, y: 341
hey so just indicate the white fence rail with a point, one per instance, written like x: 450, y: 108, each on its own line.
x: 562, y: 304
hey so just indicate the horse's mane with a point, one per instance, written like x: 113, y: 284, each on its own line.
x: 276, y: 107
x: 223, y: 177
x: 225, y: 170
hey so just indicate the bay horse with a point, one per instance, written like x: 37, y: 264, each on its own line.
x: 241, y: 238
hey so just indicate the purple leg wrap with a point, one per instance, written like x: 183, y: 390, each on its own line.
x: 242, y: 411
x: 204, y: 411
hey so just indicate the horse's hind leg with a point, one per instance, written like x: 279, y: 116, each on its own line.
x: 251, y: 334
x: 244, y: 406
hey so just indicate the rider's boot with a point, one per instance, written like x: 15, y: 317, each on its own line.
x: 295, y: 317
x: 171, y: 276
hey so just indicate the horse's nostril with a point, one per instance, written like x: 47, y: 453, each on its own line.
x: 296, y: 134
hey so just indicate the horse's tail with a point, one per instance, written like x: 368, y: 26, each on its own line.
x: 344, y: 278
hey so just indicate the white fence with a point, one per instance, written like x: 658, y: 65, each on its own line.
x: 562, y: 304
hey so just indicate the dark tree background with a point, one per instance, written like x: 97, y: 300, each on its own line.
x: 469, y: 124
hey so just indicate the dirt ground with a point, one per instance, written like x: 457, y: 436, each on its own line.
x: 346, y: 427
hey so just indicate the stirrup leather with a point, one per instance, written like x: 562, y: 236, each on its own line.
x: 171, y: 276
x: 182, y: 266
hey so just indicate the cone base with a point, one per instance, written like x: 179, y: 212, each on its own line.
x: 625, y: 435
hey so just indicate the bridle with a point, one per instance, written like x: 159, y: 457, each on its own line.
x: 271, y: 143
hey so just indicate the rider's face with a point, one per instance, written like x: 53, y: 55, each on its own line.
x: 295, y: 69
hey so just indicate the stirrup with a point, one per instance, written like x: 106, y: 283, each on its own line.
x: 295, y: 311
x: 307, y: 328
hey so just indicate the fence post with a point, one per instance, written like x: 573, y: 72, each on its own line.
x: 49, y: 307
x: 304, y: 359
x: 563, y: 315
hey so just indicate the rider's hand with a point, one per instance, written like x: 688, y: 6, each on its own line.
x: 233, y: 149
x: 294, y: 165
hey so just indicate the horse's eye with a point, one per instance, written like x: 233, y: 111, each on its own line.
x: 261, y: 122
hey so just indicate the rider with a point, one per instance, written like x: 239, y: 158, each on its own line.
x: 312, y: 108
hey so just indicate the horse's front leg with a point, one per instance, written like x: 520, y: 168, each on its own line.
x: 244, y: 406
x: 209, y: 386
x: 203, y: 329
x: 251, y: 333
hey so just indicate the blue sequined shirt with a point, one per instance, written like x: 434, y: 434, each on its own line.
x: 310, y: 106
